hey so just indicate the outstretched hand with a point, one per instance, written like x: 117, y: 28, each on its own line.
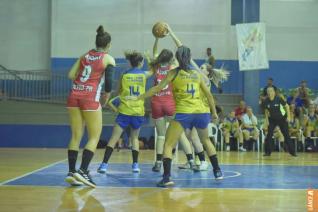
x: 168, y: 29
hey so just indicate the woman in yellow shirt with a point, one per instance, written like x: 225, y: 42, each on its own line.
x: 187, y: 88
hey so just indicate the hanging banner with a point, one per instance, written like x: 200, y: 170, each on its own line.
x: 251, y: 46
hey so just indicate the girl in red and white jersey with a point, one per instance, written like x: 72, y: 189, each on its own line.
x: 88, y: 74
x: 162, y: 103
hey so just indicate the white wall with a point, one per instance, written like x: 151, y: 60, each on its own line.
x: 25, y: 39
x: 292, y: 29
x: 198, y: 23
x: 25, y: 34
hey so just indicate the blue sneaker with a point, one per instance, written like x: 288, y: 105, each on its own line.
x: 218, y: 174
x: 165, y: 182
x: 102, y: 168
x: 135, y: 168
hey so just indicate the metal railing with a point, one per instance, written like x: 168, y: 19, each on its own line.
x: 36, y: 86
x: 42, y: 85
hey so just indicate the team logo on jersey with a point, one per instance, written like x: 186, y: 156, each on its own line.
x: 92, y: 58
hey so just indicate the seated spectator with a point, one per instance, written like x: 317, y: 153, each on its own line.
x: 219, y: 111
x: 294, y: 127
x: 295, y: 99
x: 310, y: 127
x: 298, y: 112
x: 231, y: 127
x: 296, y: 103
x: 240, y: 110
x: 304, y: 93
x: 249, y: 128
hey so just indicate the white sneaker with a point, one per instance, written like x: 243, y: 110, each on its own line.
x: 197, y: 161
x: 187, y: 165
x: 242, y: 149
x: 70, y: 179
x: 202, y: 167
x: 228, y: 148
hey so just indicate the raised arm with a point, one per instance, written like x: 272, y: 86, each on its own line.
x: 152, y: 91
x: 173, y: 36
x: 155, y: 49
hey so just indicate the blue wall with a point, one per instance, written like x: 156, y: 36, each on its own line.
x: 49, y: 136
x: 286, y: 74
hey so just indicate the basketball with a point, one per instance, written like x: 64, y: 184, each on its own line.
x: 159, y: 30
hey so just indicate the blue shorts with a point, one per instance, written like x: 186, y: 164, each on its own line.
x: 125, y: 120
x: 197, y: 120
x: 249, y: 129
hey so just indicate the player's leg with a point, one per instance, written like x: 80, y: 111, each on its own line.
x: 173, y: 134
x: 201, y: 123
x: 160, y: 124
x: 93, y: 120
x: 77, y: 129
x: 120, y: 125
x: 135, y: 149
x: 199, y: 150
x: 211, y: 152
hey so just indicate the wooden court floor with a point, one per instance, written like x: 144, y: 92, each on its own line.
x: 16, y: 163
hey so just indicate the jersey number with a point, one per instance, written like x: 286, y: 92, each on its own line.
x: 134, y: 92
x: 190, y: 89
x: 86, y: 73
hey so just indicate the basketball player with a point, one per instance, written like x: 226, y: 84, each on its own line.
x: 133, y: 83
x: 187, y: 87
x: 162, y: 103
x: 83, y: 104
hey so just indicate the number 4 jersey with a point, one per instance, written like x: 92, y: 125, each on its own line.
x: 90, y: 79
x: 186, y: 91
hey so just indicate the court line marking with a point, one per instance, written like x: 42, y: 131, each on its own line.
x: 236, y: 174
x: 31, y: 172
x: 176, y: 187
x: 62, y: 161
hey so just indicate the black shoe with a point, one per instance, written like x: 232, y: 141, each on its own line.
x: 165, y: 182
x: 84, y: 177
x: 157, y: 166
x: 267, y: 154
x: 218, y: 174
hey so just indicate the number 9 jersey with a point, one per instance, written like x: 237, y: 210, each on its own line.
x: 90, y: 79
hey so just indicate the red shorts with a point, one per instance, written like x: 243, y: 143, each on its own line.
x: 162, y: 108
x: 82, y: 104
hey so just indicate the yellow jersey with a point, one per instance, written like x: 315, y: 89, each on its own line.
x: 133, y: 83
x: 186, y: 92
